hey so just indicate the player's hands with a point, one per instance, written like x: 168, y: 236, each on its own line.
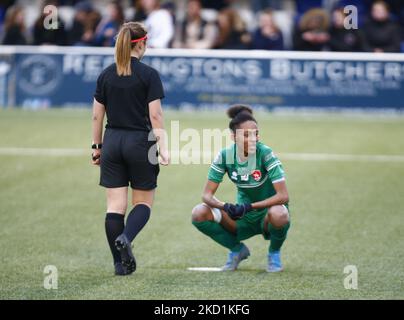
x: 237, y: 211
x: 230, y: 209
x: 95, y: 157
x: 242, y: 209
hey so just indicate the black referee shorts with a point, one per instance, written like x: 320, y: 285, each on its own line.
x: 128, y: 156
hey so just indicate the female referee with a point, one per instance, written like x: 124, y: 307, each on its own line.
x: 129, y: 92
x: 262, y: 196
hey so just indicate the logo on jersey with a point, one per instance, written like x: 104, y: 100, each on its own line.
x: 234, y: 175
x: 244, y: 177
x: 256, y: 175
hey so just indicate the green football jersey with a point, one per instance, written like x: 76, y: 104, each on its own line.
x: 254, y: 178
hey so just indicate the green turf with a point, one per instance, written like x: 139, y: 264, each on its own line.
x: 343, y: 213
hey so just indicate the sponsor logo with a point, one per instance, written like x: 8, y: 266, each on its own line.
x: 39, y: 75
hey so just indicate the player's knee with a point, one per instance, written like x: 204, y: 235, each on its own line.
x: 278, y: 217
x: 200, y: 213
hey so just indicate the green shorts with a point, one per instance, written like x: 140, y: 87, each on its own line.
x: 252, y: 224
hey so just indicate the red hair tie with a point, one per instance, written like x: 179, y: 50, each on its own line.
x: 140, y: 39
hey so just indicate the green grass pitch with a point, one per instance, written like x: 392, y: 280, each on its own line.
x: 343, y: 213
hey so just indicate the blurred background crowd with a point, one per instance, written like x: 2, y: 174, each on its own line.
x: 308, y: 25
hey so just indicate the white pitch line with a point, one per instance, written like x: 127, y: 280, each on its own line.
x: 197, y: 155
x: 57, y: 152
x: 205, y: 269
x: 341, y: 157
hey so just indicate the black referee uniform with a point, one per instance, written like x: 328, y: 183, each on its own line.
x: 128, y: 139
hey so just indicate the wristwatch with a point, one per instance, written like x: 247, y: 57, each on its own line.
x: 96, y: 146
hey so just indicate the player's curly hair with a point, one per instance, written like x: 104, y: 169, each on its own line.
x: 239, y: 114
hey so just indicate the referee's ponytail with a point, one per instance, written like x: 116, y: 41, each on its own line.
x: 127, y: 39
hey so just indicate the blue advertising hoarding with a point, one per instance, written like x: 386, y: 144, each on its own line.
x: 6, y: 67
x: 287, y: 80
x: 207, y: 78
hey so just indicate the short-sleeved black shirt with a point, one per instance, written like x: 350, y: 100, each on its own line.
x: 126, y: 98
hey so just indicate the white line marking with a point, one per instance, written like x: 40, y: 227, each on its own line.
x: 62, y: 152
x: 341, y: 157
x: 205, y: 269
x: 43, y: 152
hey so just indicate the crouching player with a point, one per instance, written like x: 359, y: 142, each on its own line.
x: 262, y: 196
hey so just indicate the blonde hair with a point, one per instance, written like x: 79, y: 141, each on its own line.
x: 11, y: 17
x: 236, y: 23
x: 123, y: 46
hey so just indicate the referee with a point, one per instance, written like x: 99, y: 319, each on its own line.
x: 130, y: 93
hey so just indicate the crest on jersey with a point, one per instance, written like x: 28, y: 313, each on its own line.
x: 234, y: 175
x: 256, y: 175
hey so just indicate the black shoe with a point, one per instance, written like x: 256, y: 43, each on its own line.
x: 124, y: 247
x: 119, y: 269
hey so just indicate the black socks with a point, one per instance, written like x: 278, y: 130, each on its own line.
x: 136, y: 220
x: 114, y: 226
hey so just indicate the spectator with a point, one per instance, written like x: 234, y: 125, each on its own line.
x: 84, y: 24
x: 108, y: 28
x: 44, y: 35
x: 14, y: 27
x: 216, y: 4
x: 261, y: 5
x: 194, y: 32
x: 302, y: 6
x: 397, y: 10
x: 140, y: 15
x: 232, y: 31
x: 267, y: 36
x: 342, y: 39
x: 4, y: 5
x: 312, y: 31
x: 70, y: 3
x: 159, y: 24
x: 381, y: 33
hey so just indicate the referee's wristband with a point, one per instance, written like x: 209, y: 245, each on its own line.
x: 96, y: 146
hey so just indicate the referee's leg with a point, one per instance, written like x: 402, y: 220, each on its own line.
x: 142, y: 201
x: 117, y: 199
x: 145, y: 197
